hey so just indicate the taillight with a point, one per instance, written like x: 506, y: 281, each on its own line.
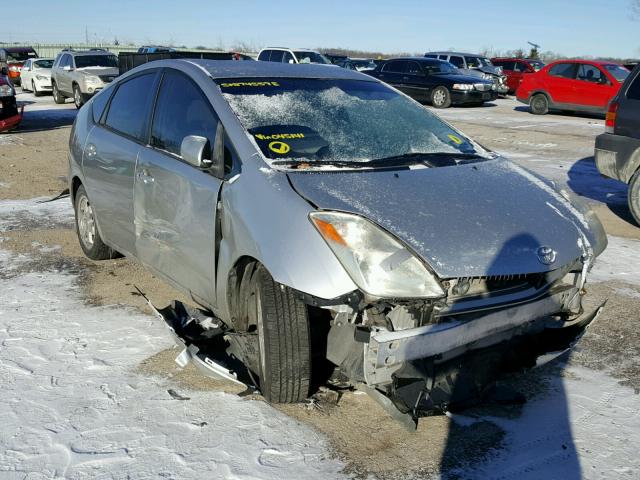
x: 612, y: 113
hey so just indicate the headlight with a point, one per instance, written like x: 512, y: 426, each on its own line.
x: 14, y: 68
x: 92, y: 79
x: 6, y: 91
x: 42, y: 77
x: 378, y: 263
x: 462, y: 86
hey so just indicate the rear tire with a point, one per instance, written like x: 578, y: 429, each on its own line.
x: 57, y: 96
x: 440, y: 97
x: 539, y: 104
x: 87, y: 229
x: 284, y: 343
x: 633, y: 196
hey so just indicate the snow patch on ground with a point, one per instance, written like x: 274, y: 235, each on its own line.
x: 620, y: 261
x: 74, y: 408
x: 10, y: 139
x: 586, y: 427
x: 15, y: 214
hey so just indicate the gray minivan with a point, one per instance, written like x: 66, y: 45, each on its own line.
x: 328, y: 226
x: 617, y: 151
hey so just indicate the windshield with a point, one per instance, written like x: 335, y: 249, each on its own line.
x: 83, y: 61
x: 477, y: 62
x: 338, y: 120
x: 618, y: 71
x: 20, y: 56
x: 43, y: 63
x: 311, y: 57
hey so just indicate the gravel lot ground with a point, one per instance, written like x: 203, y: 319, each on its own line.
x: 87, y: 372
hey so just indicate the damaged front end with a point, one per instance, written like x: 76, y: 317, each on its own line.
x: 424, y: 357
x: 10, y: 113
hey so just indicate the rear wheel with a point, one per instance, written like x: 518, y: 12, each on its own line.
x: 634, y: 196
x: 441, y: 98
x: 87, y: 230
x: 284, y: 344
x: 57, y: 96
x: 539, y: 104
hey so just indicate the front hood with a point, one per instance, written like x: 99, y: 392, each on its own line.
x: 101, y: 71
x: 480, y: 219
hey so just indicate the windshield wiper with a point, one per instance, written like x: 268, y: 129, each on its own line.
x: 433, y: 159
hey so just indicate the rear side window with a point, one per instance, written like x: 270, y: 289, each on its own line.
x: 397, y: 66
x: 181, y: 110
x: 507, y: 65
x: 264, y: 55
x: 413, y: 68
x: 130, y: 105
x: 98, y: 103
x: 431, y: 56
x: 633, y: 93
x: 564, y: 70
x: 457, y: 61
x: 276, y: 55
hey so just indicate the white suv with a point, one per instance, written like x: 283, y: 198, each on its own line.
x: 292, y: 55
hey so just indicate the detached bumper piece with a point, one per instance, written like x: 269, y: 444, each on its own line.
x: 205, y: 342
x: 10, y: 122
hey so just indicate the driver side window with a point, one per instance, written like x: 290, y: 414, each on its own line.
x: 590, y: 73
x: 181, y: 110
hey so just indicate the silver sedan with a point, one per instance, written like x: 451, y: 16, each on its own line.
x: 329, y: 228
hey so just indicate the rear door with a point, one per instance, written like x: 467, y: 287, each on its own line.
x: 392, y: 73
x: 110, y: 158
x: 593, y: 89
x: 175, y: 202
x: 560, y: 82
x: 415, y: 82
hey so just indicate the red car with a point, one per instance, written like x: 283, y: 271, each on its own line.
x: 516, y: 68
x: 13, y: 58
x: 575, y: 85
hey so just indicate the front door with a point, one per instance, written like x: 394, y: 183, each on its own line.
x: 593, y: 88
x: 109, y: 161
x: 175, y: 202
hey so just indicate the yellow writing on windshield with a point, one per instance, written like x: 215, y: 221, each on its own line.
x: 279, y: 136
x: 250, y: 84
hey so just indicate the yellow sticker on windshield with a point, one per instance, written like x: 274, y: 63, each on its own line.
x: 250, y: 84
x: 454, y: 139
x: 279, y: 147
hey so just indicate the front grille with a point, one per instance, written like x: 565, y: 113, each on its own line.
x: 482, y: 87
x: 107, y: 78
x: 466, y: 287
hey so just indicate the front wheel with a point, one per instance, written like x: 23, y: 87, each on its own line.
x: 284, y: 344
x: 77, y: 96
x: 57, y: 96
x: 35, y: 90
x: 87, y: 230
x: 441, y: 98
x: 634, y: 196
x: 539, y: 104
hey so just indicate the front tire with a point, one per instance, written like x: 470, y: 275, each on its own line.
x: 35, y: 90
x: 78, y: 99
x: 87, y: 230
x: 284, y: 343
x: 633, y: 196
x: 441, y: 98
x: 57, y: 96
x: 539, y: 104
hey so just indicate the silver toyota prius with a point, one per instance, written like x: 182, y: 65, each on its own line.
x: 329, y: 229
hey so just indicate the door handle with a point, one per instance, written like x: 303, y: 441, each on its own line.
x: 145, y: 176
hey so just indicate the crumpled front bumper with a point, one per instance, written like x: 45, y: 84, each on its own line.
x: 387, y: 352
x: 11, y: 122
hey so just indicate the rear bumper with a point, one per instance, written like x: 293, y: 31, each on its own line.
x: 613, y: 154
x: 473, y: 96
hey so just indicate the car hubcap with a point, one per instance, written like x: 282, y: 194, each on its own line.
x: 86, y: 222
x: 438, y: 97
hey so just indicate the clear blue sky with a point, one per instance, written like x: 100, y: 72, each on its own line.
x: 574, y: 27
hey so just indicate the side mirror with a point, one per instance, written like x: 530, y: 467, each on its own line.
x: 196, y: 151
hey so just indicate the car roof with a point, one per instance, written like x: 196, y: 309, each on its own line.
x: 235, y: 69
x: 580, y: 60
x: 304, y: 49
x: 420, y: 59
x: 18, y: 49
x: 456, y: 53
x: 89, y: 52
